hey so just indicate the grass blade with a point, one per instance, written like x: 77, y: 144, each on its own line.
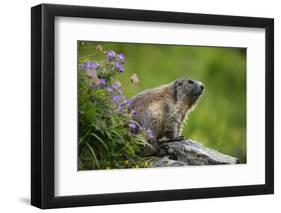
x: 93, y: 154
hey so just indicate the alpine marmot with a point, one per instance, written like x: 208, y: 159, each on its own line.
x: 164, y: 109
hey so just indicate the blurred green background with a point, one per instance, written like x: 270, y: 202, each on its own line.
x: 219, y: 120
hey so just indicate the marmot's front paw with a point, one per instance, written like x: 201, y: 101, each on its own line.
x: 180, y: 138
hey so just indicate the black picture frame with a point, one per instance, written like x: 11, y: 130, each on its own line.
x: 43, y: 102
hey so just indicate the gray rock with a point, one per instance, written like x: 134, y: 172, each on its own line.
x: 166, y: 162
x: 188, y: 152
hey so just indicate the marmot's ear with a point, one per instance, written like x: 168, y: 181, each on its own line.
x: 178, y: 83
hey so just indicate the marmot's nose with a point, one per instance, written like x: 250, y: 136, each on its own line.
x: 198, y: 88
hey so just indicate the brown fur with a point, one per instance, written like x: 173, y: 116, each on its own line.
x: 163, y: 110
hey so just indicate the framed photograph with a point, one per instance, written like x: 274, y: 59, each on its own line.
x: 139, y: 106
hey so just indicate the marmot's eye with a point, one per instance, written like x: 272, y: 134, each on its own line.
x: 190, y: 81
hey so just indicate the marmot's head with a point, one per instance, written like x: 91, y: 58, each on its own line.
x: 187, y: 90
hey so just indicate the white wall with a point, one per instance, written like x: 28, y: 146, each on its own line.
x: 15, y: 105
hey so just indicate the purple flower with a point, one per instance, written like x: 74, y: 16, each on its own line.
x: 110, y: 55
x: 115, y: 98
x: 119, y: 66
x: 129, y: 103
x: 133, y: 112
x: 120, y: 107
x: 115, y: 86
x: 122, y: 94
x: 133, y: 125
x: 149, y: 133
x: 109, y: 89
x: 121, y: 57
x: 121, y: 91
x: 89, y: 65
x: 102, y: 82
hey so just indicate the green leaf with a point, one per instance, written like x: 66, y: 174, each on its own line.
x: 116, y: 133
x: 100, y: 140
x: 93, y: 154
